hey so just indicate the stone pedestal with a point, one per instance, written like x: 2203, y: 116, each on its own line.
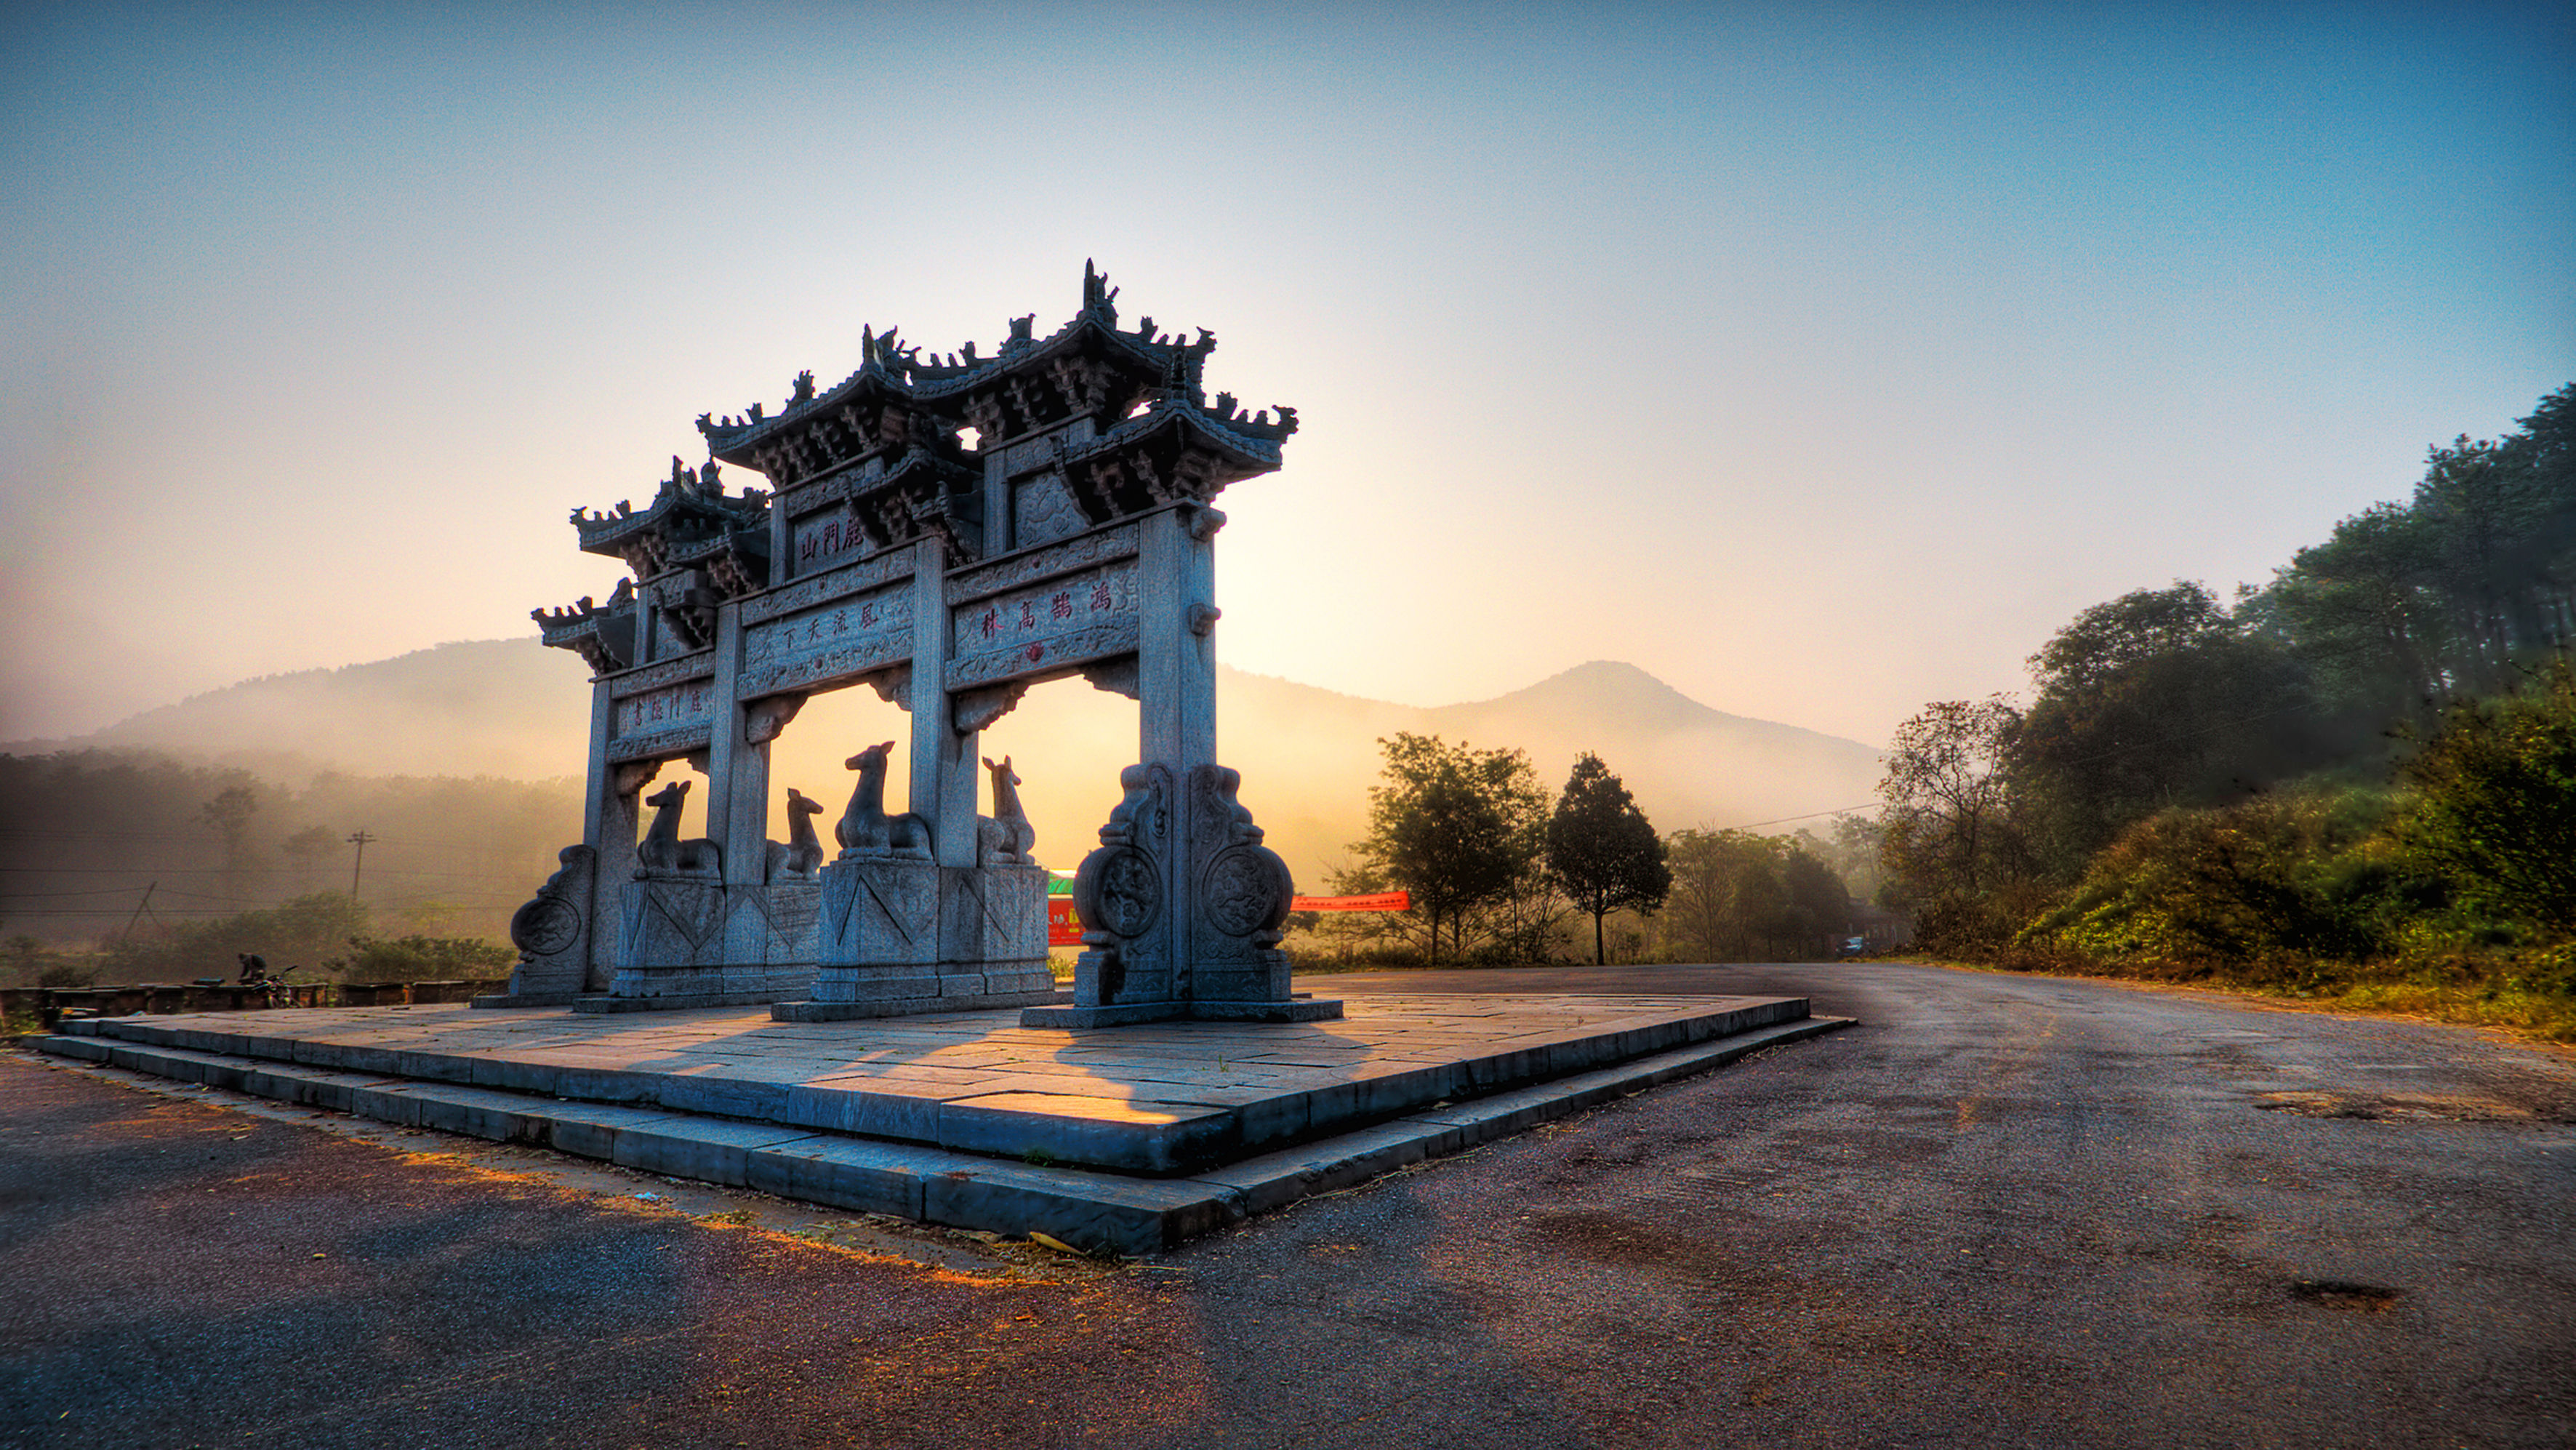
x: 878, y: 912
x: 898, y: 937
x: 1181, y: 909
x: 674, y: 951
x: 996, y: 916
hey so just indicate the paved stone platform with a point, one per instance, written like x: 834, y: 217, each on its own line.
x: 1129, y: 1137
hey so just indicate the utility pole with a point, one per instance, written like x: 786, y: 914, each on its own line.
x: 141, y: 907
x: 359, y: 840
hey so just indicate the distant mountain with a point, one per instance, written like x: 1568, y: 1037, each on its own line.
x: 1687, y: 764
x: 512, y: 708
x: 500, y: 707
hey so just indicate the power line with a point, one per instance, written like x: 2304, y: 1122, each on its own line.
x: 141, y: 907
x: 1809, y: 816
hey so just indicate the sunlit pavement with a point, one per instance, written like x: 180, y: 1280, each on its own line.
x: 2003, y: 1211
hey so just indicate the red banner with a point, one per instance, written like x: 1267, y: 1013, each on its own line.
x: 1378, y: 901
x: 1064, y: 929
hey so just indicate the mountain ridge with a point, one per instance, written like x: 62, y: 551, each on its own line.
x: 512, y: 709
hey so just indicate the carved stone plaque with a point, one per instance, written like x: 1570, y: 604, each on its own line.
x: 849, y: 636
x: 1125, y: 891
x: 545, y: 926
x: 1245, y: 890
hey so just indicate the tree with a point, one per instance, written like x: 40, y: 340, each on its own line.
x: 2409, y: 605
x: 228, y: 815
x: 1741, y: 897
x: 1602, y: 850
x: 2130, y: 630
x: 1698, y: 919
x: 1851, y: 848
x: 1462, y: 830
x: 2495, y: 809
x: 307, y: 847
x: 2355, y: 608
x: 304, y: 931
x: 2154, y: 700
x: 1953, y: 830
x: 1817, y: 899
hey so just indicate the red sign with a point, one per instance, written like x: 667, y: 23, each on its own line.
x: 1064, y: 929
x: 1377, y: 901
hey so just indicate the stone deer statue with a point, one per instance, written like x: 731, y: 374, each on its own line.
x: 662, y: 852
x: 1005, y: 836
x: 865, y: 828
x: 802, y: 856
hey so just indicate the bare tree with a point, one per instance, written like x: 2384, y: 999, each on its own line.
x: 1951, y: 832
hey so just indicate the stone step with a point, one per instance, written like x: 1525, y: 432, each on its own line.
x: 1127, y: 1100
x: 1094, y: 1210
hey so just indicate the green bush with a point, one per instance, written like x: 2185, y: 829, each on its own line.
x: 2272, y: 884
x: 2494, y: 813
x: 68, y: 972
x: 424, y: 959
x: 304, y: 930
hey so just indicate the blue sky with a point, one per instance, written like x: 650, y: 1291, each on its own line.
x: 1819, y: 360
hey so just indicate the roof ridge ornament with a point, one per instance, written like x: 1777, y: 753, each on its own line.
x: 1097, y: 295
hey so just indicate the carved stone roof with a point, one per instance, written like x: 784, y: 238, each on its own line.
x: 689, y: 510
x: 896, y: 400
x: 1172, y: 452
x: 603, y: 635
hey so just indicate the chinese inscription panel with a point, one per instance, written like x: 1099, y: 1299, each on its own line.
x: 850, y: 636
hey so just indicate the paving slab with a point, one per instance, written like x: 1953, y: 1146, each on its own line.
x: 1165, y: 1098
x: 1092, y: 1209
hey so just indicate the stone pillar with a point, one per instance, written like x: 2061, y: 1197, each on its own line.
x: 608, y: 828
x: 1182, y: 903
x: 1176, y: 676
x: 738, y: 803
x: 619, y: 824
x: 943, y: 760
x: 1001, y: 530
x: 1176, y: 645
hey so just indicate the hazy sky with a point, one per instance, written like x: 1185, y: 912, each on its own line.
x: 1819, y: 360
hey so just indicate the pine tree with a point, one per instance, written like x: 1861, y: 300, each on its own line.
x: 1602, y: 850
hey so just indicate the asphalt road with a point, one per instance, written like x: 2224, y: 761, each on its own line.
x: 2005, y: 1211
